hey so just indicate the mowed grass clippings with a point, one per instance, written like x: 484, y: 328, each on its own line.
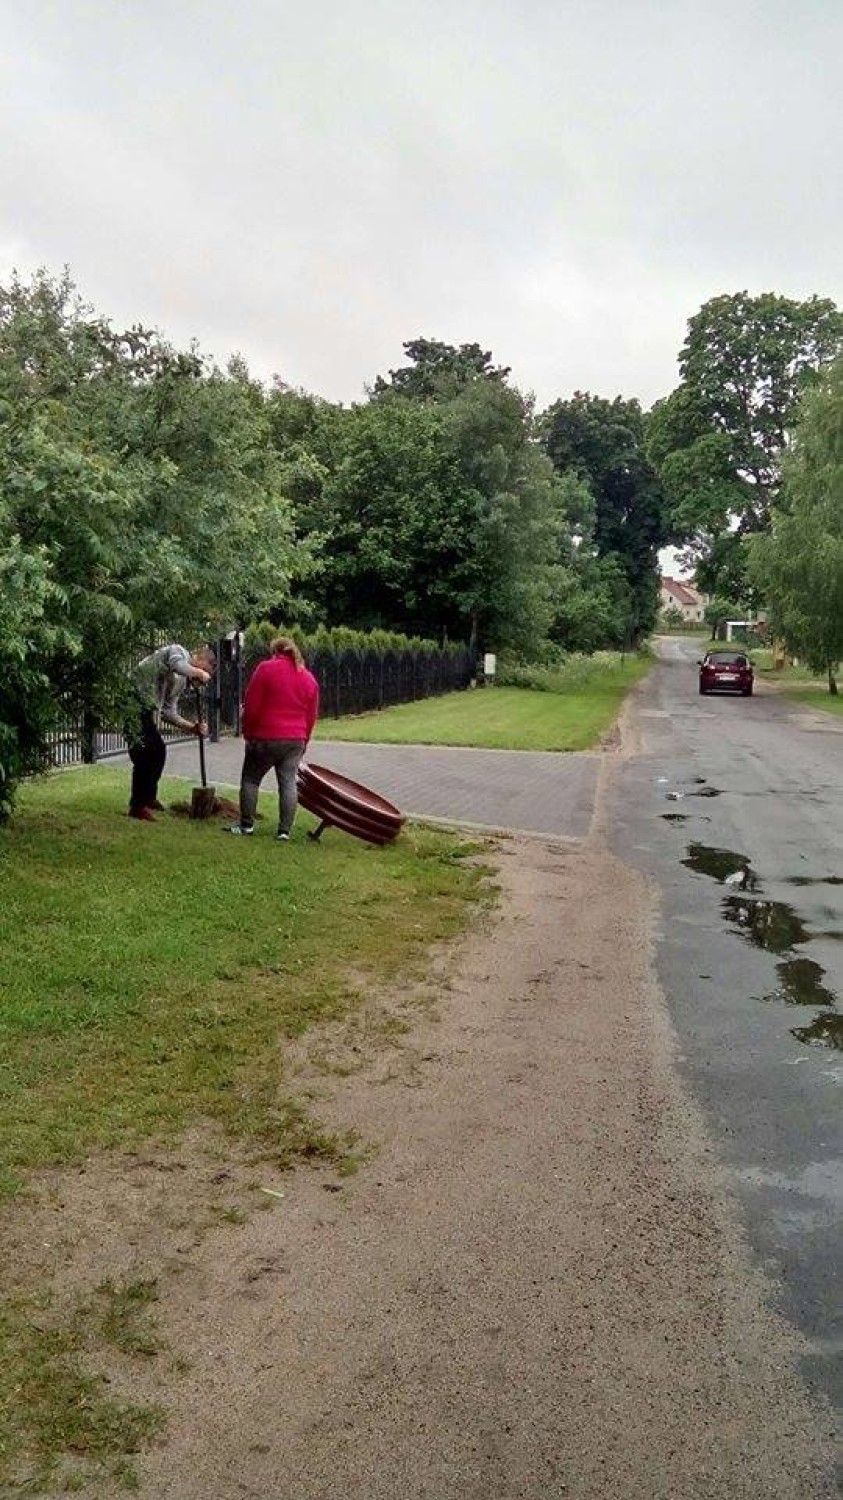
x: 150, y: 973
x: 501, y: 718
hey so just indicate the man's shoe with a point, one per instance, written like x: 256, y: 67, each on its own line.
x: 157, y: 806
x: 241, y: 830
x: 142, y: 814
x: 282, y: 838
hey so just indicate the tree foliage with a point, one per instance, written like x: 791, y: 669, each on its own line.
x: 436, y: 512
x: 718, y: 441
x: 437, y: 371
x: 799, y: 563
x: 140, y: 491
x: 602, y: 443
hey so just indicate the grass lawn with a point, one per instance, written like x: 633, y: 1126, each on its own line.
x: 150, y: 977
x: 816, y: 695
x: 800, y: 684
x: 148, y: 971
x: 503, y: 718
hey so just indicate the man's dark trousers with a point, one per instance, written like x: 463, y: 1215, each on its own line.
x: 147, y: 753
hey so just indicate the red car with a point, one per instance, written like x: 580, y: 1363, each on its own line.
x: 727, y: 670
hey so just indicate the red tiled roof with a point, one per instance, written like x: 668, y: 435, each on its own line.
x: 681, y: 592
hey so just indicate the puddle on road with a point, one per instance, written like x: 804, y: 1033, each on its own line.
x: 776, y: 927
x: 771, y: 925
x: 801, y: 983
x: 675, y: 817
x: 702, y: 791
x: 721, y: 864
x: 826, y: 1030
x: 814, y: 880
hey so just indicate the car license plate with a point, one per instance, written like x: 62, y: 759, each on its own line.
x: 728, y: 676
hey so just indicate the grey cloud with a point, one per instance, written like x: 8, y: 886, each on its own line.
x: 564, y: 182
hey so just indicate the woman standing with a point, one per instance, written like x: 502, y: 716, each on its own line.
x: 280, y: 710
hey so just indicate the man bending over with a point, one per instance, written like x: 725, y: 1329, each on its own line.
x: 158, y: 682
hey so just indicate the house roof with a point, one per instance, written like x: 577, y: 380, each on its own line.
x: 683, y: 593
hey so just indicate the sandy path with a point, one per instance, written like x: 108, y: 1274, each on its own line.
x: 537, y: 1289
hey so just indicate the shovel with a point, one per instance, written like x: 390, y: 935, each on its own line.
x: 203, y: 798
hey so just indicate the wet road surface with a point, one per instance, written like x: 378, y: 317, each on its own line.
x: 735, y: 809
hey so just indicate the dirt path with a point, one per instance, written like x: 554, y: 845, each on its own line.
x: 536, y: 1288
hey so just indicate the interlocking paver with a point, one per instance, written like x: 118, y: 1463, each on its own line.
x: 536, y: 792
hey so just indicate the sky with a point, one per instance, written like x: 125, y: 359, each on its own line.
x: 564, y: 182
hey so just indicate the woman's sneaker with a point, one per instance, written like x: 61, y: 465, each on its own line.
x: 241, y: 829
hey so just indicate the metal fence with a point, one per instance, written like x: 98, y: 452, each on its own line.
x: 356, y: 682
x: 350, y: 682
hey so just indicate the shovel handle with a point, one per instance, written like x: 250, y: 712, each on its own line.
x: 201, y: 737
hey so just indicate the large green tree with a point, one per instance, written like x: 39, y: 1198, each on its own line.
x: 435, y: 516
x: 141, y: 491
x: 602, y: 443
x: 438, y: 370
x: 799, y: 563
x: 718, y: 441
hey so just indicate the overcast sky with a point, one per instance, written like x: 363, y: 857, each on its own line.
x: 564, y: 181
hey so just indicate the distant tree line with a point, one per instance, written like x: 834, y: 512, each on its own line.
x: 144, y: 487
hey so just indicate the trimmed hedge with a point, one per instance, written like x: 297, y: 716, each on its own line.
x: 259, y: 638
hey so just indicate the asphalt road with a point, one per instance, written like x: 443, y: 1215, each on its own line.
x: 735, y: 809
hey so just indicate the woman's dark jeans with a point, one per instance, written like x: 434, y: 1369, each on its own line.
x: 283, y: 757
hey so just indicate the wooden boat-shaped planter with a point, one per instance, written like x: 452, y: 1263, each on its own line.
x: 339, y: 802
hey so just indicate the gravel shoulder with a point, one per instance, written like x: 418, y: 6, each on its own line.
x: 536, y: 1287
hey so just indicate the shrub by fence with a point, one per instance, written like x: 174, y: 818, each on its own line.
x: 356, y: 671
x: 359, y: 671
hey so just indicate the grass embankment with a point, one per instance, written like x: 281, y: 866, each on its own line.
x: 568, y: 708
x: 798, y: 683
x: 150, y: 976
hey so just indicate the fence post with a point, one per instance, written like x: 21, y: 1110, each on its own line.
x: 213, y: 695
x: 89, y: 737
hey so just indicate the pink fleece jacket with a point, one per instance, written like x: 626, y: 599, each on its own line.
x: 281, y: 702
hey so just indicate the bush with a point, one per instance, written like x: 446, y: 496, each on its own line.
x: 259, y: 637
x: 572, y: 672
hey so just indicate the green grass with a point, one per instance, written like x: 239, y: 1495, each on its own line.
x: 504, y: 718
x: 150, y: 977
x: 817, y: 696
x: 149, y: 971
x: 799, y: 684
x: 59, y: 1423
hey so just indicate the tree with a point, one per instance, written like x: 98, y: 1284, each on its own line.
x: 602, y: 443
x: 439, y: 516
x: 27, y: 705
x: 799, y: 563
x: 438, y: 371
x: 718, y: 611
x: 719, y: 439
x: 141, y: 491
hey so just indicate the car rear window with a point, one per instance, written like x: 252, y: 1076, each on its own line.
x: 726, y: 658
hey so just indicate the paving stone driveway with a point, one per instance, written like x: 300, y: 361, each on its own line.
x: 517, y: 789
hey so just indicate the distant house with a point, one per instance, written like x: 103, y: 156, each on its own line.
x: 685, y: 598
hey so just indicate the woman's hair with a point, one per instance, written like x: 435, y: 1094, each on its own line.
x: 284, y: 646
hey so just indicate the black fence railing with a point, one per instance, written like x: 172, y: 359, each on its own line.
x: 356, y: 682
x: 350, y: 682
